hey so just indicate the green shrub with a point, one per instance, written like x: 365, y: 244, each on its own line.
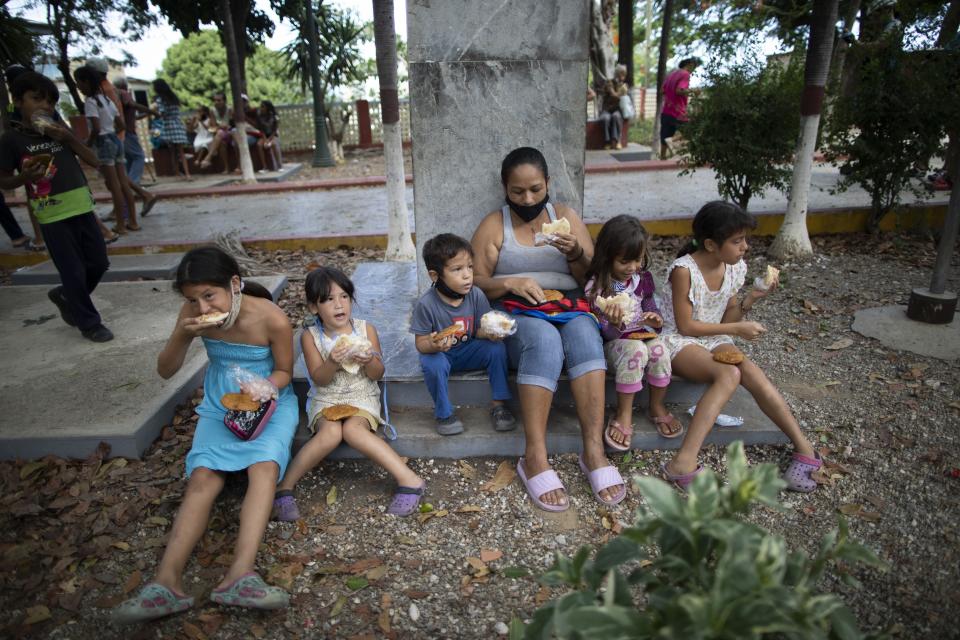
x: 693, y: 568
x: 745, y: 127
x: 890, y: 120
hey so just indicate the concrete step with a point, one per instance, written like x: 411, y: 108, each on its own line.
x: 418, y: 439
x: 471, y: 389
x: 156, y: 266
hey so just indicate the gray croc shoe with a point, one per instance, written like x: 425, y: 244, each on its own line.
x: 154, y: 601
x: 250, y: 591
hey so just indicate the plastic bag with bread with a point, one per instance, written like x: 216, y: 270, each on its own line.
x: 498, y: 324
x: 356, y: 346
x: 623, y: 301
x: 771, y: 276
x: 548, y: 232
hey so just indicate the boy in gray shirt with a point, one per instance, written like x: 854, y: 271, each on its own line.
x: 446, y: 322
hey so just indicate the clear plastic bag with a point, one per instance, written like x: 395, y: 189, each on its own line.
x: 540, y: 239
x: 356, y: 346
x: 259, y: 389
x: 498, y: 323
x: 723, y: 420
x: 760, y: 283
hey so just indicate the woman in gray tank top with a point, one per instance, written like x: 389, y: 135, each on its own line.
x: 506, y: 261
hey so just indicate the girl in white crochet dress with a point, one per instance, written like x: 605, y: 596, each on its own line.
x: 339, y: 377
x: 701, y: 311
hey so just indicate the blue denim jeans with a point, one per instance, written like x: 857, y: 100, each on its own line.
x: 475, y: 354
x: 539, y: 349
x: 135, y: 157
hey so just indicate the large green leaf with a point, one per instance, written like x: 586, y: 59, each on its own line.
x: 617, y: 552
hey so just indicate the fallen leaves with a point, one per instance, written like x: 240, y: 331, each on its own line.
x: 467, y: 470
x: 332, y: 496
x: 502, y: 478
x: 489, y: 555
x: 37, y: 614
x: 858, y: 510
x: 133, y: 581
x: 842, y: 343
x: 423, y: 518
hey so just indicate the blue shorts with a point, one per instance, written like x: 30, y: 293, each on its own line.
x: 110, y: 149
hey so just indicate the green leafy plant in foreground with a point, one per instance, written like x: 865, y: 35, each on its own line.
x: 713, y: 575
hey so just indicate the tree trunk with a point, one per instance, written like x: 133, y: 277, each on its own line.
x: 236, y: 89
x: 648, y: 38
x: 399, y: 243
x: 951, y: 22
x: 662, y: 72
x: 793, y: 239
x: 602, y: 58
x: 240, y: 9
x: 321, y: 149
x: 839, y: 63
x: 61, y: 37
x: 625, y: 56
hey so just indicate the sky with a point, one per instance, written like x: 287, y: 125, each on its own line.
x: 151, y: 49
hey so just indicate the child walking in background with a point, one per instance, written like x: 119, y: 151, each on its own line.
x: 620, y: 264
x: 340, y: 378
x: 104, y: 121
x: 166, y: 107
x: 453, y: 300
x: 701, y: 313
x: 256, y: 336
x: 44, y: 153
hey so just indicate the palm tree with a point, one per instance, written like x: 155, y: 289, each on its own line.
x: 793, y: 238
x: 236, y: 89
x: 399, y: 244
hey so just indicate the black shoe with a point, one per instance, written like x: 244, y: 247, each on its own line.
x: 99, y: 333
x: 449, y: 426
x: 502, y: 419
x: 56, y: 297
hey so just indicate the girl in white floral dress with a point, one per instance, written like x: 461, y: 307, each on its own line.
x: 701, y: 313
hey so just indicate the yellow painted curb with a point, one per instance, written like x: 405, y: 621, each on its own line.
x: 852, y: 220
x: 818, y: 222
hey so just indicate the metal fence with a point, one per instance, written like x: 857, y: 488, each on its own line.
x: 296, y: 124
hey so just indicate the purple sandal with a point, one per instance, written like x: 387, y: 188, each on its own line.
x: 797, y: 475
x: 406, y: 500
x: 541, y: 484
x: 604, y: 478
x: 682, y: 480
x: 285, y: 507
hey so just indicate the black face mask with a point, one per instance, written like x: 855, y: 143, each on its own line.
x: 443, y: 289
x: 528, y: 212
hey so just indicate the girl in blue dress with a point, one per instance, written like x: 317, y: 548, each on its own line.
x: 257, y: 336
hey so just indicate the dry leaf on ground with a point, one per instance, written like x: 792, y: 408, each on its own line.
x: 502, y: 478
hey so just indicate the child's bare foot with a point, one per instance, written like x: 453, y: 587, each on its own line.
x: 134, y: 227
x: 120, y: 230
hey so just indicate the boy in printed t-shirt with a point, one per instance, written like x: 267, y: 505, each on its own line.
x: 43, y: 153
x: 453, y: 300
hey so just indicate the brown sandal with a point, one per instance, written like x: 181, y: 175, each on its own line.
x: 667, y: 426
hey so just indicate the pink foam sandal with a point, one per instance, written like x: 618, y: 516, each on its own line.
x: 682, y: 480
x: 541, y: 484
x: 797, y: 475
x: 604, y: 478
x: 613, y: 444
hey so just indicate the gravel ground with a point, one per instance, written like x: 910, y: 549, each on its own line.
x: 77, y: 536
